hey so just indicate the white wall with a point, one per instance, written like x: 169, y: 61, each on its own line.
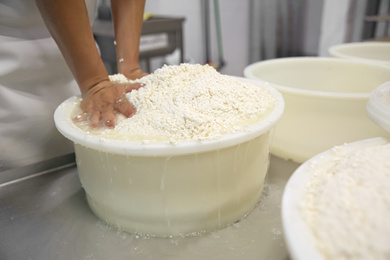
x: 235, y: 29
x: 336, y: 27
x: 234, y: 23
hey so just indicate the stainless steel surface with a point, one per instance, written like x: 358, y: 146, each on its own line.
x: 44, y: 215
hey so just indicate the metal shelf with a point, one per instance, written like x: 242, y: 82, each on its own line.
x: 172, y: 28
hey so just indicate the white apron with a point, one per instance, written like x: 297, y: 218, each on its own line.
x: 34, y: 80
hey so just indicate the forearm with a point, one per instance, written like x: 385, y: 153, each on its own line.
x: 68, y: 23
x: 127, y: 18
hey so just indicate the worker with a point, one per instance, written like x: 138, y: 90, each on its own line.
x: 35, y: 78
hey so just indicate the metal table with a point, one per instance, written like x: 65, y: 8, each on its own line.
x: 44, y: 215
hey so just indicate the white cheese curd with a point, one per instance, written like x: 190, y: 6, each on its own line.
x: 347, y: 204
x: 189, y: 102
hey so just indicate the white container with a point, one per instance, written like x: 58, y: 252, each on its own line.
x: 300, y: 240
x: 378, y: 106
x: 169, y: 190
x: 325, y: 102
x: 371, y: 52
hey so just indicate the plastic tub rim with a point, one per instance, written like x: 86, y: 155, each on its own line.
x: 248, y: 73
x: 67, y: 128
x: 335, y: 52
x: 378, y: 111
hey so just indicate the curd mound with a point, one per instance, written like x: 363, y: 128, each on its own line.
x: 186, y: 103
x: 346, y: 203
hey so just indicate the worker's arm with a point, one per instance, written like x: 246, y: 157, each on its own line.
x: 68, y: 23
x: 128, y: 17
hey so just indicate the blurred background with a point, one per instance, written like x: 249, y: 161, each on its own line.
x: 231, y: 34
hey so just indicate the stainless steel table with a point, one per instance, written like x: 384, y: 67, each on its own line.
x: 44, y: 215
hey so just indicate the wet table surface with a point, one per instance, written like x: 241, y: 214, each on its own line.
x: 44, y: 215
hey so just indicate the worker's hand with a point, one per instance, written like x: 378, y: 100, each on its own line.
x: 134, y: 73
x: 101, y: 102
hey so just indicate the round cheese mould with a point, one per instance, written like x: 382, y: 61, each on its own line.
x: 325, y: 102
x: 370, y: 52
x: 168, y: 190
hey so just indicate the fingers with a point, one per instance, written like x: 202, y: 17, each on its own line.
x: 100, y: 107
x: 81, y: 117
x: 94, y: 119
x: 105, y: 118
x: 125, y: 107
x: 131, y: 87
x: 97, y: 117
x: 108, y: 117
